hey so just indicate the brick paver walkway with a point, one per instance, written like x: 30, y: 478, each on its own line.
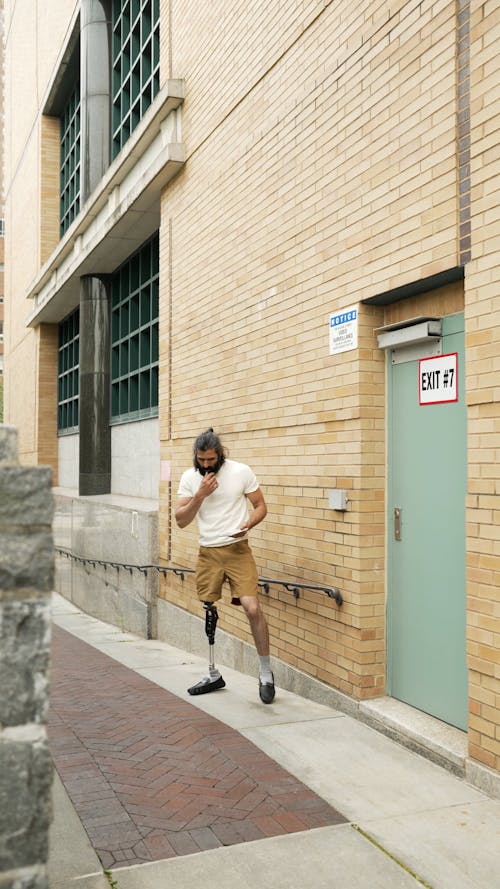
x: 151, y: 776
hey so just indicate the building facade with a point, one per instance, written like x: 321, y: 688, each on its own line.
x: 281, y: 221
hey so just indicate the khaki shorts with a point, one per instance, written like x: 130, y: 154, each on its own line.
x: 234, y: 563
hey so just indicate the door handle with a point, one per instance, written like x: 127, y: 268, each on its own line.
x: 397, y: 523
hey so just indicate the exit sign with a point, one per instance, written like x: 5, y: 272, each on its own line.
x: 438, y: 379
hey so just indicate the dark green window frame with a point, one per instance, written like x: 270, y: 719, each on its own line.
x: 134, y: 335
x: 70, y: 160
x: 68, y: 383
x: 136, y: 65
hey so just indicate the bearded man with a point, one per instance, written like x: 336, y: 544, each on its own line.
x: 216, y: 491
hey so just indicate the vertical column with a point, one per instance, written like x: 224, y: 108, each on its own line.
x: 95, y: 90
x: 95, y: 432
x: 46, y: 415
x: 50, y: 147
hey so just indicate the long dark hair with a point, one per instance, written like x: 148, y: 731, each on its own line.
x: 209, y: 441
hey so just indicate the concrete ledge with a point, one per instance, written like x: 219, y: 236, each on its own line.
x: 119, y: 501
x: 425, y: 735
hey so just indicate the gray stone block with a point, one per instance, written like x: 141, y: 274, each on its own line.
x: 24, y: 661
x: 8, y: 444
x: 483, y: 777
x: 27, y: 561
x: 26, y: 495
x: 26, y: 573
x: 25, y: 802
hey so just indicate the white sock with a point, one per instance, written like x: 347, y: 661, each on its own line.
x: 265, y: 672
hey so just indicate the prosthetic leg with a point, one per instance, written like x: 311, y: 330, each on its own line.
x: 214, y: 679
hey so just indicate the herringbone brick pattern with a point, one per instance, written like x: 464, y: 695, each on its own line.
x: 151, y: 776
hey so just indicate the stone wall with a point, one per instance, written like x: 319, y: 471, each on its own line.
x: 26, y: 580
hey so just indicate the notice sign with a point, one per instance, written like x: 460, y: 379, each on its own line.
x: 438, y: 379
x: 344, y: 331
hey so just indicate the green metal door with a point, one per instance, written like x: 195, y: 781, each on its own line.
x: 426, y: 531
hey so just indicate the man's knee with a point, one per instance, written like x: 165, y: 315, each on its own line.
x: 250, y: 606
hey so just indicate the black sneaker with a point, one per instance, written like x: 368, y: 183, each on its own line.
x: 267, y: 691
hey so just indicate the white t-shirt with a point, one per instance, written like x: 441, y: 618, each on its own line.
x: 225, y: 511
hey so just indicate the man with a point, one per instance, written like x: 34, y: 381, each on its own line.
x: 216, y: 491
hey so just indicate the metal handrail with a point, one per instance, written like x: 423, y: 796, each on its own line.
x: 294, y: 587
x: 291, y: 586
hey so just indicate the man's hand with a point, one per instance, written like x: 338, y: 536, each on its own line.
x: 208, y: 485
x: 241, y: 532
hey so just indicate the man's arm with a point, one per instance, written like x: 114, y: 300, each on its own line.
x: 259, y: 512
x: 187, y: 507
x: 185, y: 511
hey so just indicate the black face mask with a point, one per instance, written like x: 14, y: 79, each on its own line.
x: 204, y: 470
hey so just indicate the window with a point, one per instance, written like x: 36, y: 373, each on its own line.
x: 136, y: 64
x: 68, y: 373
x: 2, y: 228
x: 70, y: 160
x: 134, y: 335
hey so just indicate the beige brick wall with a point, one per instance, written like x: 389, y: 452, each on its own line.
x: 32, y: 46
x: 21, y: 73
x: 21, y: 265
x: 322, y: 170
x: 483, y: 363
x: 33, y: 42
x: 354, y: 111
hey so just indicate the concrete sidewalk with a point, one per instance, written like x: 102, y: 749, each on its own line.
x: 408, y: 822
